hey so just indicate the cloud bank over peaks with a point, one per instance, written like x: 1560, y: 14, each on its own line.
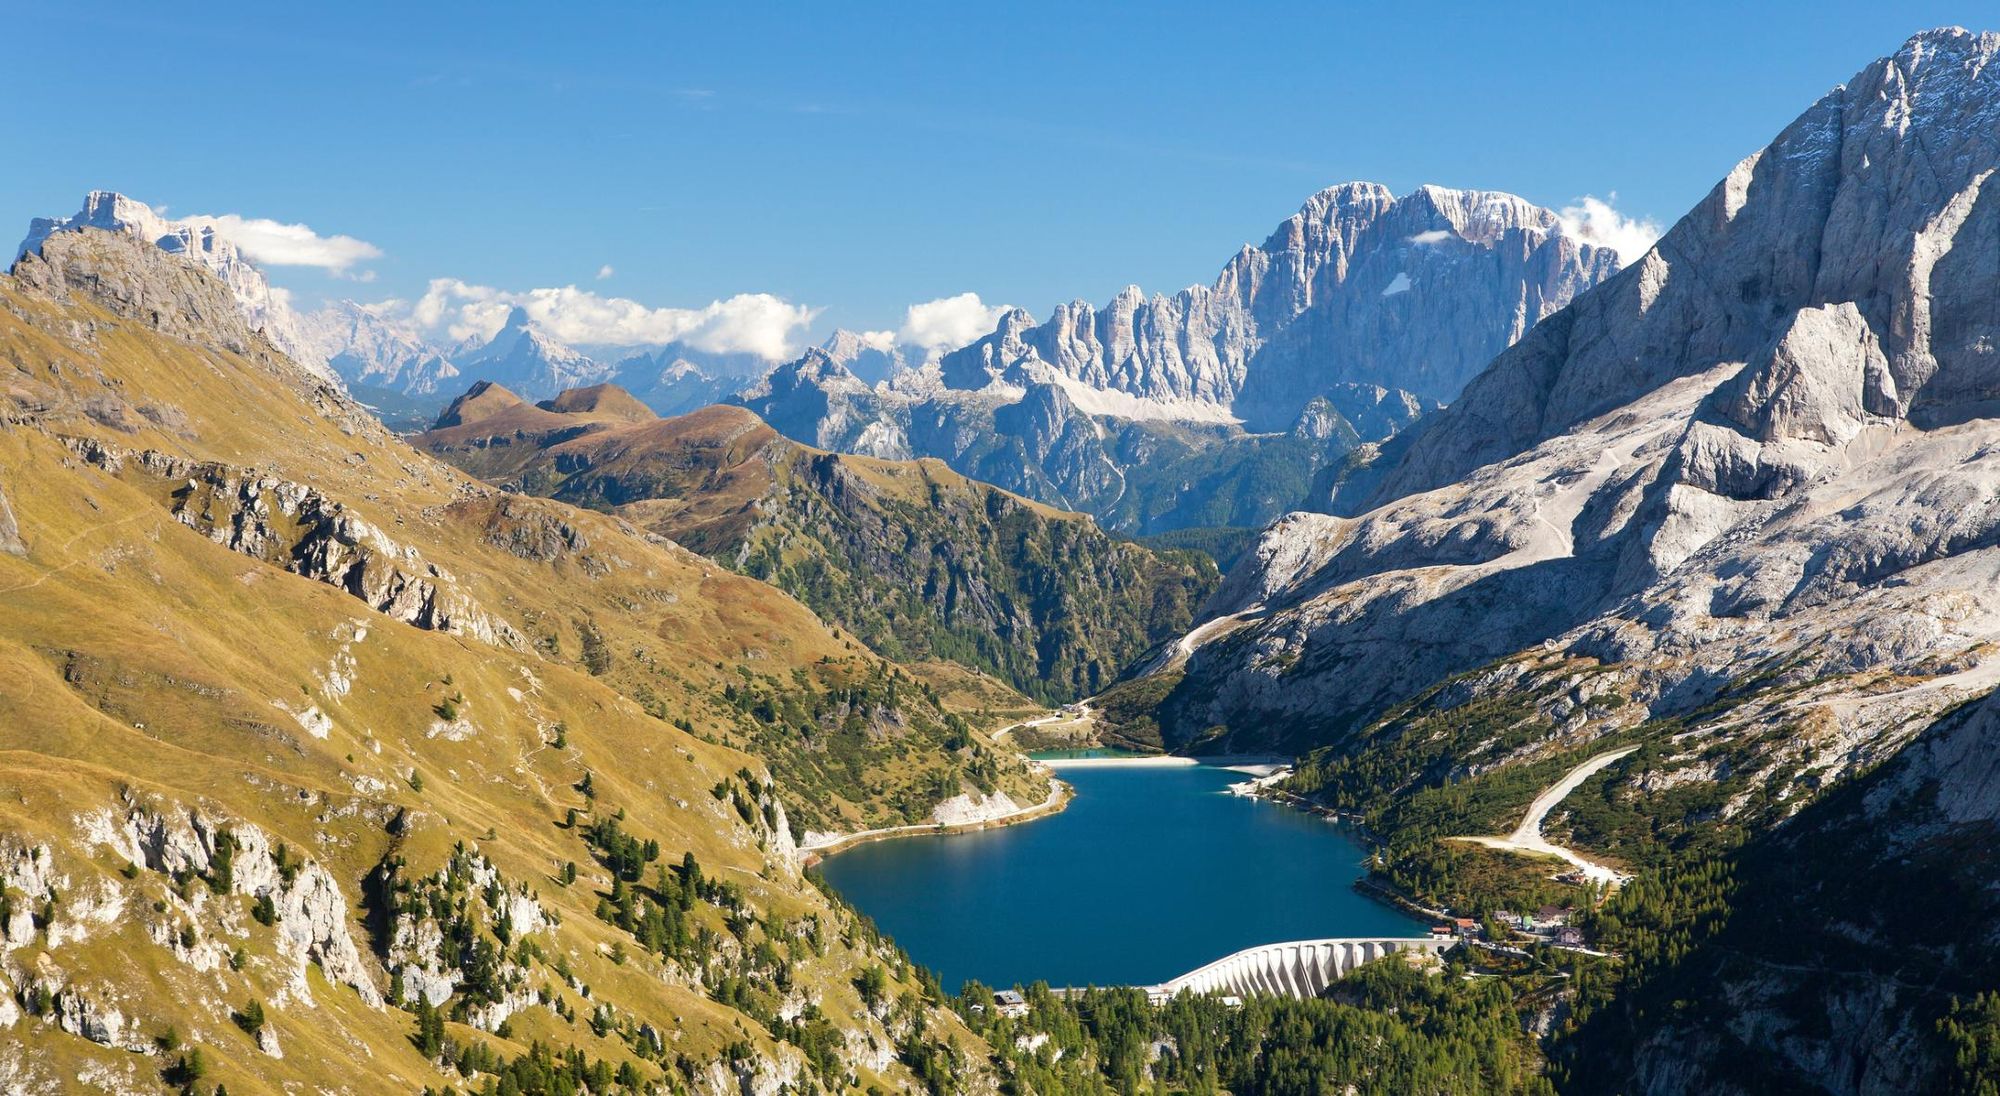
x: 275, y: 243
x: 1593, y: 221
x: 748, y: 323
x: 949, y: 322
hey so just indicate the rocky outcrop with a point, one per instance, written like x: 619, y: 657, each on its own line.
x: 294, y: 526
x: 965, y: 809
x: 312, y: 916
x: 462, y: 900
x: 10, y: 530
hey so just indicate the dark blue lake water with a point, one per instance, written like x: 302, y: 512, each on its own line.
x: 1151, y: 872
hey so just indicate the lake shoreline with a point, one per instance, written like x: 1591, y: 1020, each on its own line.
x: 1060, y: 795
x: 1257, y: 765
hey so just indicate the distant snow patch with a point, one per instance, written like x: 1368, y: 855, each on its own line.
x: 1399, y: 284
x: 1434, y: 236
x: 1118, y: 404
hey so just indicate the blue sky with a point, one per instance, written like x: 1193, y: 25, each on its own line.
x: 854, y: 159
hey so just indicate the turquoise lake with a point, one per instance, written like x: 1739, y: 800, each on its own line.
x: 1151, y: 872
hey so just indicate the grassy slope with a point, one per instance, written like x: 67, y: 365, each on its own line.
x: 145, y: 663
x: 917, y: 560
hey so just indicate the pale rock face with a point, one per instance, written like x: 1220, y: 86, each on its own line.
x: 1817, y: 381
x: 263, y: 308
x: 1769, y: 441
x: 1358, y: 287
x: 10, y: 530
x: 364, y: 347
x: 28, y: 871
x: 313, y: 914
x: 967, y: 809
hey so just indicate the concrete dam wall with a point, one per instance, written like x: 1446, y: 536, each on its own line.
x: 1302, y: 968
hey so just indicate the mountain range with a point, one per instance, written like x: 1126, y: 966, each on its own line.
x: 1223, y: 405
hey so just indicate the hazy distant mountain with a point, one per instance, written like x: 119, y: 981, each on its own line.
x: 1222, y: 405
x: 529, y: 361
x: 371, y: 351
x: 873, y: 359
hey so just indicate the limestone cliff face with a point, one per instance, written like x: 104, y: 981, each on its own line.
x: 1358, y: 287
x: 1875, y: 208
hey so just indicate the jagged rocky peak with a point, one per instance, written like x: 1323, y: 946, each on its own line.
x: 1876, y: 209
x: 530, y: 361
x: 815, y: 369
x: 604, y: 401
x: 1357, y: 287
x: 872, y: 356
x: 1764, y: 443
x: 265, y: 310
x: 519, y: 328
x: 132, y: 278
x: 483, y: 400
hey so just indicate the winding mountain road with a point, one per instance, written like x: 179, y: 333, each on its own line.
x: 1527, y: 837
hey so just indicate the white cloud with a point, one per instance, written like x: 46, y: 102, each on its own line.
x: 1434, y: 236
x: 748, y: 323
x: 605, y: 271
x: 883, y: 341
x: 949, y: 322
x: 274, y: 243
x: 1593, y: 221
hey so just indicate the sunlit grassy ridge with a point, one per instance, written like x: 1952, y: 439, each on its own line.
x: 164, y: 669
x: 916, y: 560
